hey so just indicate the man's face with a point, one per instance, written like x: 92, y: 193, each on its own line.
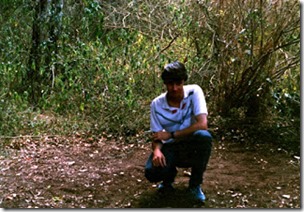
x: 175, y: 89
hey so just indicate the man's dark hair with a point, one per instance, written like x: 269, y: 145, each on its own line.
x: 174, y: 72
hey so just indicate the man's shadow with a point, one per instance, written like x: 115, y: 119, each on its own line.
x: 180, y: 198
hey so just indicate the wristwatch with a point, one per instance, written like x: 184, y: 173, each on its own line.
x: 172, y: 134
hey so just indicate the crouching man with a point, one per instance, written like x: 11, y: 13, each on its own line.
x: 178, y: 120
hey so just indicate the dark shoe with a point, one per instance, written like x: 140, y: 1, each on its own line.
x: 165, y: 188
x: 197, y: 193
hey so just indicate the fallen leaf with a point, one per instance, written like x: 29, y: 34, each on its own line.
x: 286, y: 196
x: 70, y: 163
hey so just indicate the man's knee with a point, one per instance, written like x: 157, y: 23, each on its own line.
x: 202, y: 139
x: 202, y: 135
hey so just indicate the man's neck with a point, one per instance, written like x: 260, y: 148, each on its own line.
x: 174, y: 101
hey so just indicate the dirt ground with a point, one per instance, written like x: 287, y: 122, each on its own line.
x: 102, y: 172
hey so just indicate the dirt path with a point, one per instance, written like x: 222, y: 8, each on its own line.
x: 100, y: 173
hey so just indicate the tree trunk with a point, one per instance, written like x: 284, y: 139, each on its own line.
x: 33, y: 78
x: 46, y: 30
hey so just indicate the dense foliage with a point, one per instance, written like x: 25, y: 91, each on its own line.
x: 93, y: 66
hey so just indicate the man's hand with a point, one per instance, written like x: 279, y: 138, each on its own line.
x: 158, y: 158
x: 160, y: 136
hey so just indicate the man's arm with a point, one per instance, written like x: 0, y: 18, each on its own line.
x: 200, y: 124
x: 156, y: 144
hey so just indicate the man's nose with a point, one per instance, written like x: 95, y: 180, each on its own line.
x: 175, y: 87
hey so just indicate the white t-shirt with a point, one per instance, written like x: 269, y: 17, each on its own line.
x: 163, y: 117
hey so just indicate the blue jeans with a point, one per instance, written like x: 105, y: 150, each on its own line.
x: 192, y: 152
